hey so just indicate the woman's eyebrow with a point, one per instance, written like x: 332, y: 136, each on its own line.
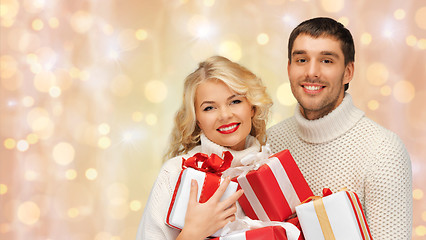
x: 237, y: 95
x: 206, y: 102
x: 229, y: 98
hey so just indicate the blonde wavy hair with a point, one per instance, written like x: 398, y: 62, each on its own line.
x: 186, y: 133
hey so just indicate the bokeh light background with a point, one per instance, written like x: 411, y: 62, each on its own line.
x: 89, y: 89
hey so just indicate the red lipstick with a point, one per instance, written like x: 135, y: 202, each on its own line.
x: 228, y: 128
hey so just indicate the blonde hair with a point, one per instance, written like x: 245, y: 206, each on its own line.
x: 186, y: 134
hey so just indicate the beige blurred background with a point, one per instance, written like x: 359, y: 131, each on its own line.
x: 89, y: 89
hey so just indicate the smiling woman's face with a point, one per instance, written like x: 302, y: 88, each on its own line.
x: 223, y: 115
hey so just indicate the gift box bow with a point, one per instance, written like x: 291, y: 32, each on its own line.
x: 251, y: 161
x: 213, y: 166
x: 323, y: 217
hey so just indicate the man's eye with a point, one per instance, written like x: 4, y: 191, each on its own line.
x: 327, y: 61
x: 208, y: 108
x: 301, y: 60
x: 236, y: 101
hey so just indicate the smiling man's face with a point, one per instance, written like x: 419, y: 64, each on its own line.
x: 317, y: 74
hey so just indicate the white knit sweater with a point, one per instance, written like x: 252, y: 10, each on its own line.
x: 152, y: 225
x: 347, y: 149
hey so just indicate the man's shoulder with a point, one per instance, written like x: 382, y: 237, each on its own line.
x: 370, y: 125
x: 280, y: 135
x: 284, y: 125
x: 380, y: 133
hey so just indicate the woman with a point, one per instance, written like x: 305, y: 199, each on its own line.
x: 225, y: 108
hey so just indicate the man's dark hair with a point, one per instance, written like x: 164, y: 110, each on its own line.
x: 325, y: 27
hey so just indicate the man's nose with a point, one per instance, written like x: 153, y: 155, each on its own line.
x: 313, y: 70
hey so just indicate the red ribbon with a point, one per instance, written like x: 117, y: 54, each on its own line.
x: 213, y: 166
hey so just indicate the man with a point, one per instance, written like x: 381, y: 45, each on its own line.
x: 334, y: 144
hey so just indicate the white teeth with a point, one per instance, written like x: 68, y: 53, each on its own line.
x: 227, y: 128
x: 313, y: 88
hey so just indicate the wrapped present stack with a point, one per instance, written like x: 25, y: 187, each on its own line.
x: 272, y: 190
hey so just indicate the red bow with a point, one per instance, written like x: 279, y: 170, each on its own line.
x: 326, y: 192
x: 213, y: 164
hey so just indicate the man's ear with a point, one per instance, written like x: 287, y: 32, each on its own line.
x: 349, y: 72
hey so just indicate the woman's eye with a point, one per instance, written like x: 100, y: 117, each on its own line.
x: 236, y: 101
x: 208, y: 108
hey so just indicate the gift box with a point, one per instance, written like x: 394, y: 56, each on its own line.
x: 265, y: 233
x: 336, y: 216
x: 272, y: 192
x: 208, y: 177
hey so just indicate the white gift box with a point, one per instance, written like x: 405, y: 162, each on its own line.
x: 179, y: 203
x: 337, y: 216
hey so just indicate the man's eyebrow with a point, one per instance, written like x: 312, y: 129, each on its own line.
x: 330, y: 53
x: 296, y: 52
x: 325, y: 53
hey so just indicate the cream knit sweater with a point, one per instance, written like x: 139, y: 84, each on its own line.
x: 152, y: 225
x: 347, y: 149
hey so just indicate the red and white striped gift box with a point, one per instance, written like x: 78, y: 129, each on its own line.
x: 272, y: 192
x: 336, y: 216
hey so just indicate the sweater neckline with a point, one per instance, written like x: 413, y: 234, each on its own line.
x: 208, y: 147
x: 332, y: 125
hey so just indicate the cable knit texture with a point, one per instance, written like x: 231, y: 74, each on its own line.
x: 152, y: 225
x: 347, y: 149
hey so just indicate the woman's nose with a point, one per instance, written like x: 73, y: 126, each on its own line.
x: 225, y: 112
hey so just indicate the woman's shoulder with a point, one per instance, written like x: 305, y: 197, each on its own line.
x: 175, y: 164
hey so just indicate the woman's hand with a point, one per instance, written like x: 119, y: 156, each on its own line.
x: 204, y: 219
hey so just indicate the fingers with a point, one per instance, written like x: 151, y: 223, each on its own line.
x: 222, y: 188
x: 228, y: 214
x: 193, y: 192
x: 233, y: 198
x: 230, y: 211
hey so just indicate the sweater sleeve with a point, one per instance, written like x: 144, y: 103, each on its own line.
x: 152, y: 225
x: 388, y: 194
